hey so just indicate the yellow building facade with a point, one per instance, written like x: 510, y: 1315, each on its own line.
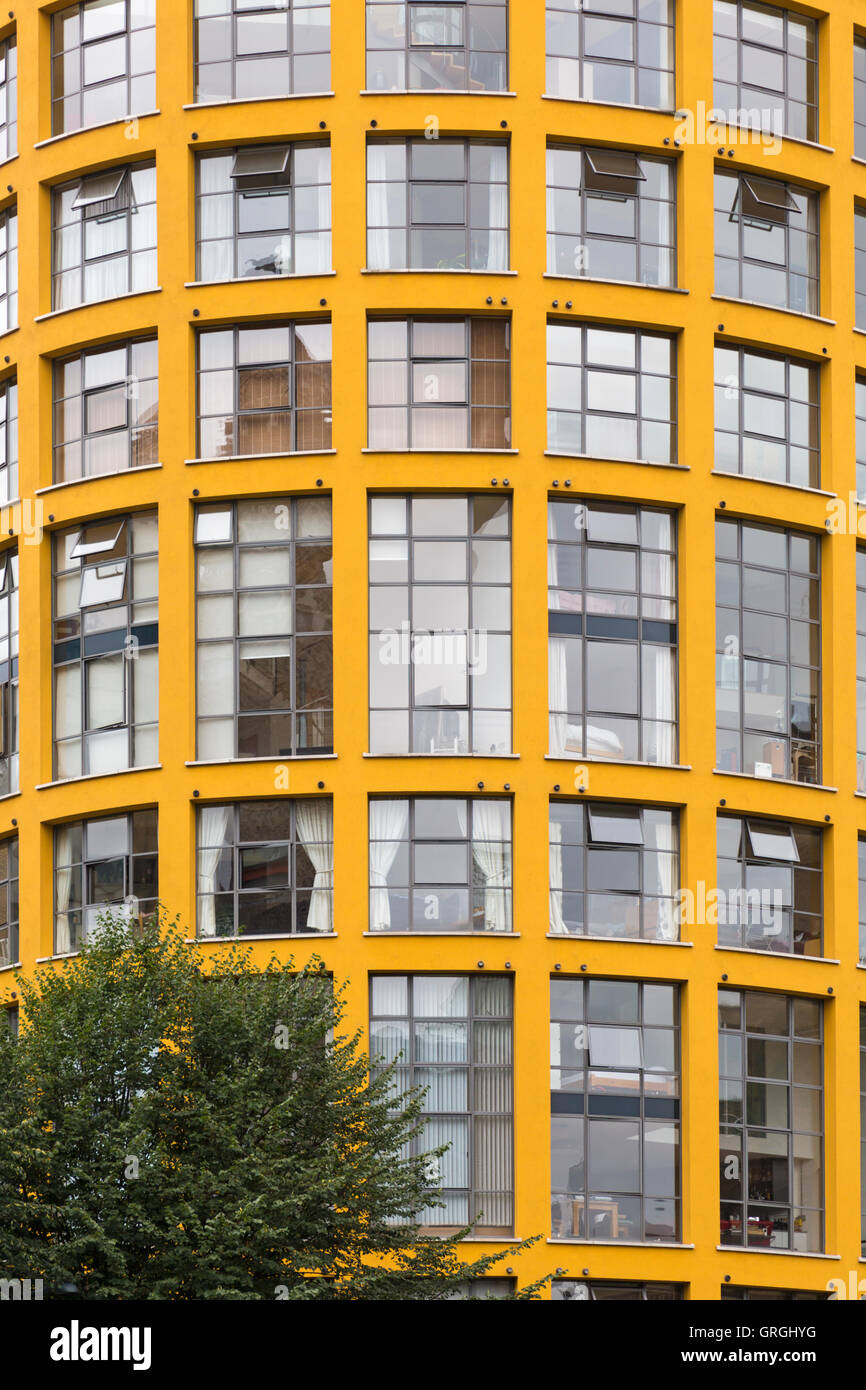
x: 349, y: 107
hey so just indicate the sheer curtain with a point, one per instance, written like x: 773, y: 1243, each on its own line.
x: 62, y: 889
x: 497, y: 221
x: 315, y: 822
x: 378, y: 240
x: 668, y: 923
x: 213, y: 824
x: 658, y: 578
x: 491, y: 843
x: 388, y: 822
x: 557, y: 671
x: 557, y: 921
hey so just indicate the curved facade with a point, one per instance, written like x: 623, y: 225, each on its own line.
x: 285, y: 337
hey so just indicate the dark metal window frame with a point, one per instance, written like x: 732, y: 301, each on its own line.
x: 9, y: 97
x: 465, y: 51
x: 860, y: 96
x: 235, y: 10
x: 860, y: 266
x: 767, y: 94
x: 609, y: 1290
x: 785, y: 398
x: 123, y: 205
x: 9, y: 891
x: 792, y: 191
x: 8, y: 440
x: 130, y: 431
x: 9, y: 723
x: 59, y: 54
x: 144, y: 907
x: 598, y: 10
x: 745, y: 859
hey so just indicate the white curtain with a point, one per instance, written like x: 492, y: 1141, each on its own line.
x: 557, y: 671
x: 665, y: 670
x: 388, y: 822
x: 377, y: 210
x: 557, y: 921
x: 491, y: 842
x: 212, y: 827
x: 668, y: 925
x: 315, y: 822
x: 62, y: 889
x: 497, y: 206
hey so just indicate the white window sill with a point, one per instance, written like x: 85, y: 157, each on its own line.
x: 779, y: 955
x: 245, y: 762
x: 595, y: 458
x: 13, y: 965
x: 861, y: 331
x: 773, y: 781
x: 431, y: 270
x: 628, y: 1244
x: 14, y: 329
x: 96, y: 303
x: 247, y: 458
x: 429, y: 92
x: 269, y: 936
x: 858, y: 159
x: 616, y: 105
x: 574, y: 761
x: 94, y: 776
x: 11, y: 159
x: 489, y: 756
x: 465, y: 935
x: 96, y: 478
x: 245, y: 101
x: 7, y: 796
x: 440, y: 451
x: 775, y: 308
x: 600, y: 280
x: 772, y: 482
x: 258, y: 279
x: 765, y: 1250
x: 619, y: 940
x: 100, y: 125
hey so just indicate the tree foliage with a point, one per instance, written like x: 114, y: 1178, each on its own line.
x: 175, y: 1127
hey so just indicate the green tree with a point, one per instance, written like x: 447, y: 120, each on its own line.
x: 173, y: 1127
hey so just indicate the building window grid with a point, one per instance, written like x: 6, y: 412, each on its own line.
x: 105, y: 716
x: 278, y: 224
x: 410, y: 224
x: 613, y: 51
x: 860, y: 627
x: 859, y: 96
x: 778, y: 903
x: 591, y: 891
x: 783, y: 725
x: 488, y: 1076
x: 9, y: 726
x: 454, y: 47
x: 768, y: 416
x: 9, y: 901
x: 631, y: 236
x: 767, y: 253
x: 276, y: 378
x: 107, y: 248
x: 103, y: 63
x: 860, y: 268
x: 106, y: 410
x: 8, y: 441
x: 245, y: 51
x: 480, y: 720
x: 481, y: 901
x: 285, y: 880
x: 8, y: 270
x: 611, y: 393
x: 638, y: 720
x: 105, y: 865
x: 307, y: 636
x: 765, y: 68
x: 613, y: 1290
x: 861, y: 899
x: 585, y: 1095
x: 749, y: 1218
x: 454, y: 389
x: 8, y: 99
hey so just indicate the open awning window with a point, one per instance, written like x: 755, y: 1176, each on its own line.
x: 612, y: 171
x: 615, y: 825
x: 97, y: 539
x: 261, y: 167
x: 763, y: 201
x: 102, y: 194
x: 771, y: 841
x: 102, y: 584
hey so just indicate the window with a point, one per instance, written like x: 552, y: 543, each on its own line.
x: 770, y: 1121
x: 859, y: 97
x: 440, y: 864
x: 861, y: 669
x: 860, y: 267
x: 862, y: 1119
x: 12, y: 1021
x: 264, y: 210
x: 483, y: 1289
x: 453, y: 1034
x: 770, y: 886
x: 612, y: 625
x: 9, y: 901
x: 861, y: 891
x: 440, y: 625
x: 103, y: 62
x: 264, y: 390
x: 8, y: 99
x: 766, y: 242
x: 263, y: 624
x: 8, y: 270
x: 741, y: 1292
x: 9, y: 781
x: 615, y: 1110
x: 611, y: 393
x: 609, y: 1290
x: 248, y: 49
x: 765, y: 68
x: 106, y: 635
x: 768, y: 652
x: 614, y: 870
x: 860, y: 423
x: 104, y: 236
x: 106, y: 410
x: 8, y: 440
x: 600, y: 52
x: 437, y: 205
x: 767, y: 417
x: 611, y: 215
x: 266, y: 868
x: 101, y: 866
x: 451, y: 46
x: 439, y: 383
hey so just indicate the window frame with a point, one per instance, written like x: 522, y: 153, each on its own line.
x: 132, y: 430
x: 9, y: 98
x: 9, y: 489
x: 295, y: 60
x: 811, y: 211
x: 60, y: 57
x: 583, y: 62
x: 786, y: 399
x: 740, y: 933
x: 123, y: 206
x: 130, y: 860
x: 9, y: 687
x: 465, y: 50
x: 9, y: 896
x: 785, y: 100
